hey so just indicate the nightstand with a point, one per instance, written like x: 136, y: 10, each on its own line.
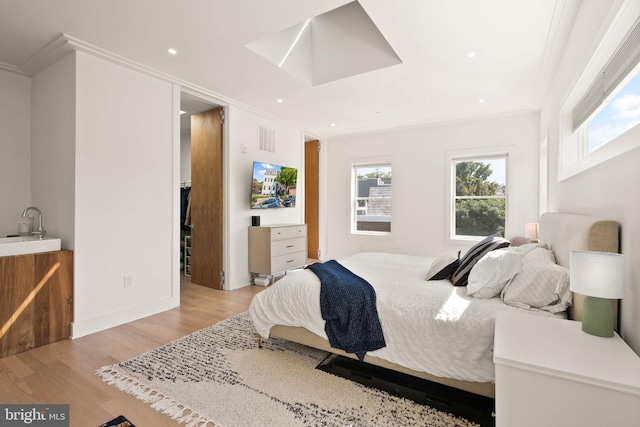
x: 277, y: 248
x: 550, y: 373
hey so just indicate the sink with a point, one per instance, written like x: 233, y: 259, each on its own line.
x: 10, y: 246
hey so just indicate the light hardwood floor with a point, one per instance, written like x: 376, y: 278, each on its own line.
x: 64, y: 372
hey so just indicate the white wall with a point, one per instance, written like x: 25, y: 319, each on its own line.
x: 420, y: 182
x: 53, y: 148
x: 15, y: 150
x: 607, y: 190
x: 242, y: 151
x: 124, y: 197
x: 105, y: 146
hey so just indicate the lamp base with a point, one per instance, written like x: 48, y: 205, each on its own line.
x: 597, y: 317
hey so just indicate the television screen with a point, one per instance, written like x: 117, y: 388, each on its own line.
x: 273, y: 186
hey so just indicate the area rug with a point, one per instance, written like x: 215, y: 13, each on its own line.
x: 219, y: 377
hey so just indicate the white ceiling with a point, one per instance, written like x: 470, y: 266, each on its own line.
x: 517, y: 44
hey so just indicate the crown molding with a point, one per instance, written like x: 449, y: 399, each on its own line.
x: 48, y: 55
x: 64, y: 44
x: 10, y: 68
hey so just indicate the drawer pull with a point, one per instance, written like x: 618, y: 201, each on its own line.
x: 290, y: 261
x: 290, y: 246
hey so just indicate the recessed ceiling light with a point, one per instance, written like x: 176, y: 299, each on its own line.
x: 279, y: 100
x: 333, y: 125
x: 471, y: 55
x: 481, y: 101
x: 172, y: 51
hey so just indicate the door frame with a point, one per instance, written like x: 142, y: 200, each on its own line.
x: 178, y: 90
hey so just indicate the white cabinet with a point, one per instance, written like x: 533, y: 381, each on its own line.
x: 550, y: 373
x: 277, y: 248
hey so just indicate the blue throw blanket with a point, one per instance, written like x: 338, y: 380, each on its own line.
x: 348, y: 305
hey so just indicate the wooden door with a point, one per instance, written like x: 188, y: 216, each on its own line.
x: 206, y: 198
x: 311, y: 196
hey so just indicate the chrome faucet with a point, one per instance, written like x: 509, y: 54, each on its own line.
x: 40, y: 232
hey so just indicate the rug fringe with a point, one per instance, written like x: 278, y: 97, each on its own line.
x: 177, y: 411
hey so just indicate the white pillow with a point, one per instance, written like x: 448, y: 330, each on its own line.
x: 440, y: 263
x: 528, y: 247
x: 540, y: 285
x: 492, y: 272
x: 539, y: 254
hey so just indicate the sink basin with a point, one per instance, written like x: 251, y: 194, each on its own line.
x: 10, y: 246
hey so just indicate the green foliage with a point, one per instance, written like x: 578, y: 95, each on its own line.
x: 471, y: 179
x: 256, y: 187
x: 287, y: 177
x: 376, y: 174
x: 478, y: 217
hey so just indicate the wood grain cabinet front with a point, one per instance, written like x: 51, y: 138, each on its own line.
x: 36, y: 300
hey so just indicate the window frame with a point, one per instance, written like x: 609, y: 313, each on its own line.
x: 453, y: 157
x: 353, y: 197
x: 574, y: 156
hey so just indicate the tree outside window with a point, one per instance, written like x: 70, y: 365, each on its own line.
x: 480, y: 196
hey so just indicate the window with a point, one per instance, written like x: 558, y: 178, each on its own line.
x: 601, y: 117
x: 616, y: 116
x: 479, y: 188
x: 371, y: 196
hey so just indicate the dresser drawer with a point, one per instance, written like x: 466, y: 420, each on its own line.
x: 278, y: 233
x: 288, y: 261
x: 289, y: 246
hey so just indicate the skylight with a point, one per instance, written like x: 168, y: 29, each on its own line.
x: 322, y: 48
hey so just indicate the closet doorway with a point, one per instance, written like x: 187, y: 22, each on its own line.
x: 203, y: 223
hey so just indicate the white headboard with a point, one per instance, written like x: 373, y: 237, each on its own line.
x: 564, y: 233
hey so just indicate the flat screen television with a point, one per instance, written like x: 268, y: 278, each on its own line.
x: 273, y: 186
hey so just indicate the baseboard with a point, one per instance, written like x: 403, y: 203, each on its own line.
x: 120, y: 317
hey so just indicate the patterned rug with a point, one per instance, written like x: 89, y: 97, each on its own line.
x: 219, y: 377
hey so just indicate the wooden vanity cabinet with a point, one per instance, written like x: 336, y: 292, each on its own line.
x: 36, y: 300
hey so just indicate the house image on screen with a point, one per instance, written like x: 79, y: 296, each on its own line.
x: 268, y: 185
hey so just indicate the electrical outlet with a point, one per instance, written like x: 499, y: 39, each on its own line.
x: 128, y: 281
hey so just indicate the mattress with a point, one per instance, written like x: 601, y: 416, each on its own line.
x: 429, y: 326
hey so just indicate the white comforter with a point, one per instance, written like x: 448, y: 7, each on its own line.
x: 429, y: 326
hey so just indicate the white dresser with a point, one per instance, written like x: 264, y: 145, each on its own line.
x: 277, y: 248
x: 550, y: 373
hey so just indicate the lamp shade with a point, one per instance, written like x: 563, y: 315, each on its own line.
x: 531, y: 230
x: 597, y: 274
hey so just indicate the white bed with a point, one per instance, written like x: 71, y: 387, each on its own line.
x: 432, y: 329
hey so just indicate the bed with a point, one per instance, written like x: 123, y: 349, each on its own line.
x: 433, y: 330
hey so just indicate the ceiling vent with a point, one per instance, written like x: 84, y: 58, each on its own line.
x: 341, y: 43
x: 266, y: 139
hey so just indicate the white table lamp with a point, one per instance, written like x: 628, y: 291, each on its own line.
x: 600, y: 277
x: 531, y: 231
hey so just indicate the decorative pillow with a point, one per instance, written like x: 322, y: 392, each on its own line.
x: 528, y: 247
x: 537, y: 254
x: 492, y: 272
x: 443, y: 267
x: 541, y: 285
x: 477, y: 251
